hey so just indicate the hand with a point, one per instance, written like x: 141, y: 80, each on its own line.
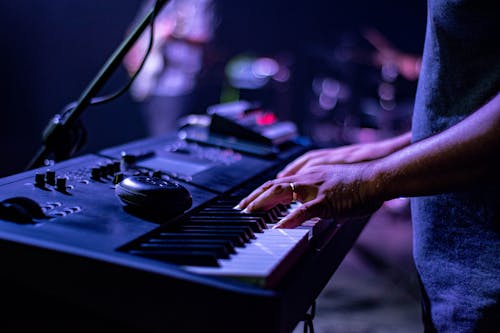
x: 327, y: 191
x: 347, y: 154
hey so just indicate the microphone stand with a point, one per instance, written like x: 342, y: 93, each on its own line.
x: 64, y: 134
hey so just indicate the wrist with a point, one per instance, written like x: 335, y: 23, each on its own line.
x: 378, y: 180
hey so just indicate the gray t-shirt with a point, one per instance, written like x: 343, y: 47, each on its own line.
x: 457, y: 235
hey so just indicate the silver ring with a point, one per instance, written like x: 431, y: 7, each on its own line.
x: 294, y: 194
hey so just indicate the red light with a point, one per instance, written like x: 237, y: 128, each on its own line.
x: 267, y: 118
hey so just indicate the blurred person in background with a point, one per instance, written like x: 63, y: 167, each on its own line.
x: 165, y: 86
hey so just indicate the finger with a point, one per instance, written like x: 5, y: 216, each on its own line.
x: 280, y: 193
x: 305, y: 212
x: 292, y: 168
x: 252, y: 196
x: 296, y: 165
x: 311, y: 164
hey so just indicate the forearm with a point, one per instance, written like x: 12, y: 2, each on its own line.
x: 399, y: 141
x: 460, y: 156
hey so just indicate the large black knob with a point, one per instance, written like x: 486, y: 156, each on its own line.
x: 153, y: 197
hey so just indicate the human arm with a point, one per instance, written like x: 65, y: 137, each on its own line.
x: 347, y: 154
x: 461, y: 156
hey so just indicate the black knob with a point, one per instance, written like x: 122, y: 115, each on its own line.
x: 153, y: 197
x: 61, y: 183
x: 111, y: 168
x: 95, y: 173
x: 115, y: 167
x: 40, y: 179
x: 50, y: 177
x: 127, y: 161
x: 118, y: 177
x: 104, y: 170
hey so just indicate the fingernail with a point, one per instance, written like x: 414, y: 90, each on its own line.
x: 237, y: 207
x: 277, y: 225
x: 245, y: 211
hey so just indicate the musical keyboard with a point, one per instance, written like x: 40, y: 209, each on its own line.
x: 158, y: 274
x: 220, y: 241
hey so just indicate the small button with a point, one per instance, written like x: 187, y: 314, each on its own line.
x: 59, y: 214
x: 76, y: 209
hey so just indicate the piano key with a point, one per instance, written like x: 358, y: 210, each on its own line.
x: 247, y: 231
x: 222, y: 230
x: 257, y: 254
x: 270, y: 215
x: 235, y: 238
x: 227, y: 244
x: 268, y: 218
x: 219, y: 251
x: 263, y: 261
x: 179, y: 257
x: 279, y: 210
x: 256, y: 224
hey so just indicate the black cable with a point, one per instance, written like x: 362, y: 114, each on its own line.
x: 107, y: 98
x: 309, y: 319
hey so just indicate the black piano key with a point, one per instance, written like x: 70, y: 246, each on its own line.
x: 226, y: 200
x: 278, y: 211
x: 267, y: 218
x: 222, y: 210
x: 221, y: 230
x: 242, y: 219
x: 204, y: 227
x: 225, y: 243
x: 257, y: 225
x: 178, y: 257
x: 234, y: 238
x: 282, y: 209
x: 219, y: 251
x: 229, y: 202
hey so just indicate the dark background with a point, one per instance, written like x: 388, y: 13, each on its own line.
x: 51, y: 50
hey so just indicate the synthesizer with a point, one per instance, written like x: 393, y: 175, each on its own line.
x: 113, y: 233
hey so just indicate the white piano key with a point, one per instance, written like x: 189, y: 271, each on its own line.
x: 264, y: 259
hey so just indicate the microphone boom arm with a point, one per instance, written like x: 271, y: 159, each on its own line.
x: 64, y: 134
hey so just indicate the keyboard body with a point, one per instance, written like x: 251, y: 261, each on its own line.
x: 91, y: 253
